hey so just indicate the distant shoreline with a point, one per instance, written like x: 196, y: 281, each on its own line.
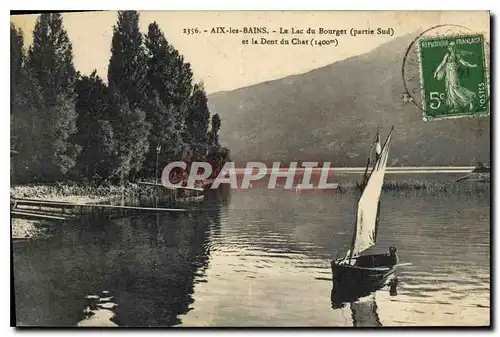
x: 399, y: 169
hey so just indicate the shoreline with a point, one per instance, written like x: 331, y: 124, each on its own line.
x: 76, y: 193
x: 79, y: 193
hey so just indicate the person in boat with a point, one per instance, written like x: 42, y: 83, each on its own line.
x: 391, y: 258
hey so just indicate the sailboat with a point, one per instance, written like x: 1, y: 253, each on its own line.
x: 356, y: 272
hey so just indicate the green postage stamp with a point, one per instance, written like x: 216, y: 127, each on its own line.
x: 453, y: 76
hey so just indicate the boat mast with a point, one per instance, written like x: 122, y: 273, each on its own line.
x: 378, y: 206
x: 378, y: 152
x: 365, y: 175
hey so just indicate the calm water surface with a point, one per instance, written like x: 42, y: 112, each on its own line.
x: 257, y: 257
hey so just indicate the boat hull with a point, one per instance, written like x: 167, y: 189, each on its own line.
x: 357, y: 277
x: 342, y: 293
x: 368, y: 274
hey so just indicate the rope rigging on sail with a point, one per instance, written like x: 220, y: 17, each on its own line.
x: 378, y: 150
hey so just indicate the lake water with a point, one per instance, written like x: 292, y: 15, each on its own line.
x: 258, y: 257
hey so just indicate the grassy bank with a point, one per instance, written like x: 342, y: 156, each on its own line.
x: 428, y: 187
x: 75, y: 192
x: 79, y: 193
x: 69, y: 191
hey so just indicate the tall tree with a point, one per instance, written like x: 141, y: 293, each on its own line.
x: 181, y: 83
x: 50, y: 65
x: 213, y: 134
x: 16, y: 58
x: 50, y: 58
x: 95, y: 133
x: 24, y: 115
x: 165, y: 139
x: 164, y: 102
x: 128, y: 95
x: 161, y: 72
x: 16, y: 83
x: 182, y: 92
x: 197, y: 120
x: 127, y: 67
x: 130, y: 136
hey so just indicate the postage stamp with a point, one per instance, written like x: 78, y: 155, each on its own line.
x: 453, y: 76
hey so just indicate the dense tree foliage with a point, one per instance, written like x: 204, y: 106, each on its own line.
x: 50, y: 59
x: 24, y: 116
x: 69, y: 126
x: 213, y: 134
x: 164, y: 102
x: 44, y: 102
x: 95, y: 132
x: 50, y: 63
x: 128, y: 86
x: 127, y: 65
x: 197, y: 122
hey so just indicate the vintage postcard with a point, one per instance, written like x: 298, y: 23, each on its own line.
x: 251, y: 169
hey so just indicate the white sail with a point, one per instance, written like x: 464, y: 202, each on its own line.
x: 366, y: 221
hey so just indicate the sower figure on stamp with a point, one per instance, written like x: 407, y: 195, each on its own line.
x: 457, y: 96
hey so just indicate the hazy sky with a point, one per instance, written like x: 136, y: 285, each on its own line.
x: 223, y: 63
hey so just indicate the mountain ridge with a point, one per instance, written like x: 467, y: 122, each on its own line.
x: 331, y: 114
